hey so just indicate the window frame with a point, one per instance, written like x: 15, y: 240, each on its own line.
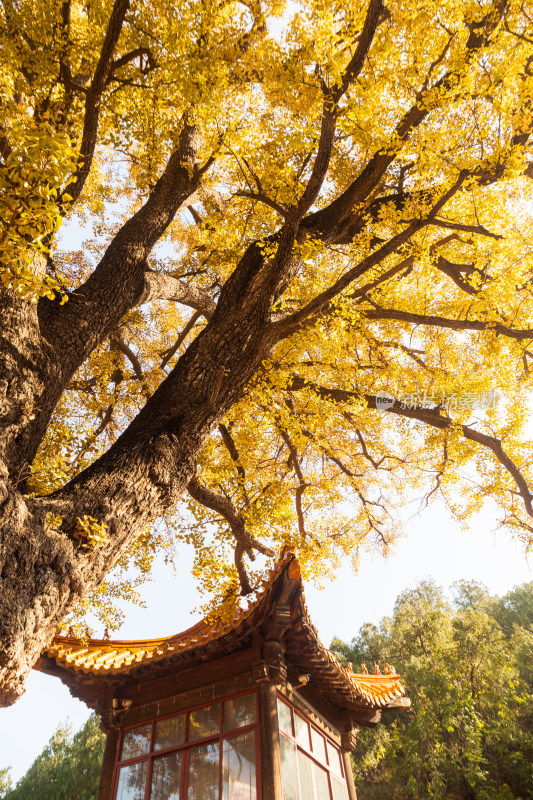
x: 186, y: 746
x: 321, y: 763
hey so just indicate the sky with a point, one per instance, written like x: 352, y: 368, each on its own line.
x: 434, y: 546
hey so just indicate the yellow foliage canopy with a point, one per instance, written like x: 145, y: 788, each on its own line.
x: 381, y: 154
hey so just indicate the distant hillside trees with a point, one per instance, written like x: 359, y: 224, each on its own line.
x: 468, y: 668
x: 67, y: 769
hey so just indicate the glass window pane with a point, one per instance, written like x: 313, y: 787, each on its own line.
x: 131, y: 782
x: 289, y: 773
x: 305, y: 768
x: 238, y: 768
x: 321, y: 783
x: 240, y: 711
x: 166, y: 777
x: 204, y: 722
x: 334, y: 758
x: 284, y: 717
x: 339, y: 788
x: 301, y: 731
x: 136, y: 742
x: 203, y: 772
x: 319, y: 745
x: 169, y: 732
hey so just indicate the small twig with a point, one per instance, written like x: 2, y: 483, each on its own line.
x: 124, y: 348
x: 181, y: 338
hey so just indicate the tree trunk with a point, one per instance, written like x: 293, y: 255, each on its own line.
x: 47, y: 567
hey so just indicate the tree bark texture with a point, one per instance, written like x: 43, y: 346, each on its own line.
x: 47, y: 569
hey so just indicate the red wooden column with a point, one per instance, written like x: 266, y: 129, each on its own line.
x: 269, y: 736
x: 267, y: 673
x: 349, y: 775
x: 105, y: 787
x: 111, y: 712
x: 349, y: 739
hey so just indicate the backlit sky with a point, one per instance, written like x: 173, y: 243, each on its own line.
x: 434, y: 546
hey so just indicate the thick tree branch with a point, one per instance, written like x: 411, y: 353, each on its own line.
x: 457, y: 273
x: 139, y: 52
x: 117, y: 284
x: 119, y: 281
x: 452, y: 324
x: 277, y: 271
x: 375, y: 14
x: 330, y: 110
x: 483, y: 175
x: 291, y: 323
x: 93, y: 98
x: 231, y: 447
x: 337, y: 222
x: 165, y: 287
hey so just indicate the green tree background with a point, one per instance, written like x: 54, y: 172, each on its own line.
x: 67, y: 769
x: 468, y: 667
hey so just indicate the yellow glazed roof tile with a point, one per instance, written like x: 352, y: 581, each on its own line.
x: 104, y: 656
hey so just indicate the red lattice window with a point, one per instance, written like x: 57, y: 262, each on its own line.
x: 209, y: 752
x: 311, y: 764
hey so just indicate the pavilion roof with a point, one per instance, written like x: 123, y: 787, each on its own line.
x: 78, y: 660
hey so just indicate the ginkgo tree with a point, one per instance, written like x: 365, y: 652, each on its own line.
x: 307, y: 278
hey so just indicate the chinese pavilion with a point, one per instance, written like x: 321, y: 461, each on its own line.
x: 254, y: 709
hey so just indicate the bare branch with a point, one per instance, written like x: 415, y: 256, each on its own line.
x: 294, y: 462
x: 194, y: 214
x: 459, y: 226
x: 246, y: 543
x: 375, y: 464
x: 435, y: 418
x: 260, y: 197
x: 439, y: 475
